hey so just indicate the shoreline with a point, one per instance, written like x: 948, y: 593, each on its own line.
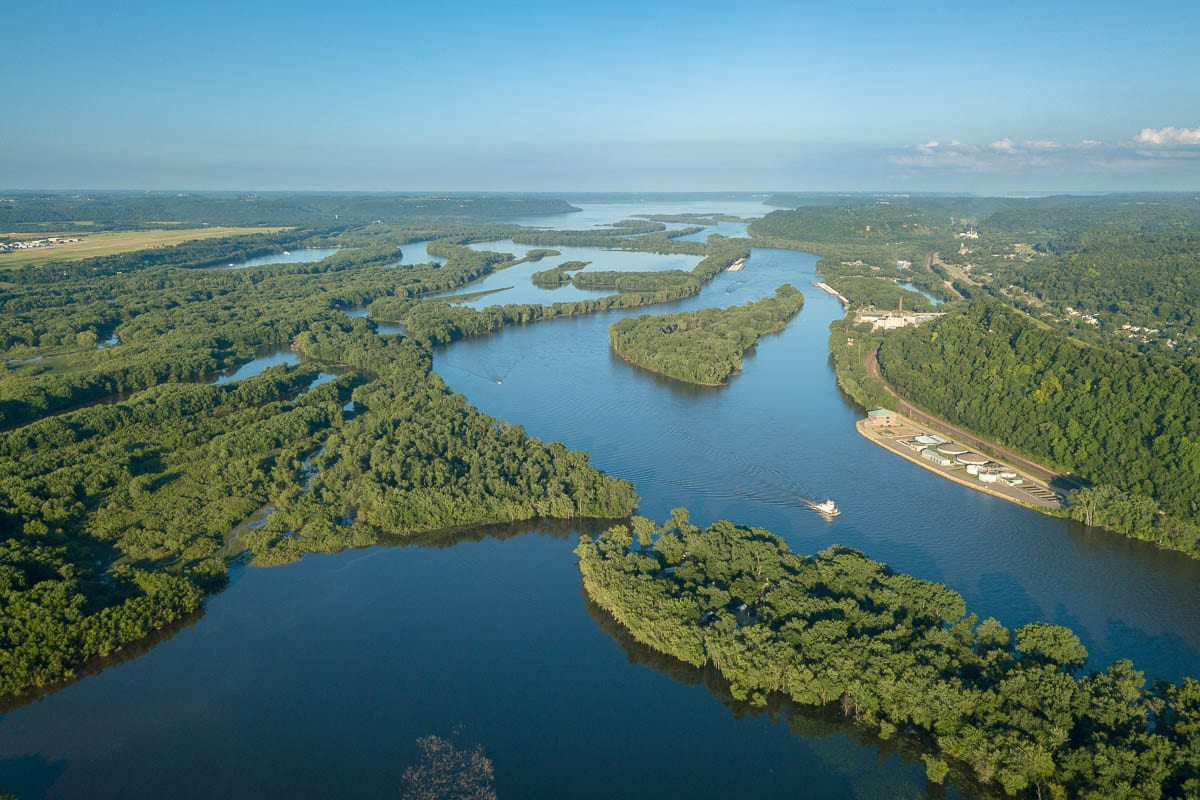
x: 613, y: 349
x: 956, y: 474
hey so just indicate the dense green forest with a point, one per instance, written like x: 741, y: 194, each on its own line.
x: 706, y: 346
x: 557, y: 276
x: 1142, y: 280
x: 126, y: 474
x: 1097, y: 377
x: 987, y: 708
x: 53, y: 211
x: 1115, y: 418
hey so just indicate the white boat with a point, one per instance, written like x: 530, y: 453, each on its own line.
x: 828, y: 508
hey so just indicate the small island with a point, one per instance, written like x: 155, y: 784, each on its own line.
x: 703, y: 347
x: 558, y: 276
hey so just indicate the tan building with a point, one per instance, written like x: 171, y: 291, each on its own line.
x: 883, y: 418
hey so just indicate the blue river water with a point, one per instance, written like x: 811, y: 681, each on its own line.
x: 316, y: 679
x: 416, y: 253
x: 303, y: 256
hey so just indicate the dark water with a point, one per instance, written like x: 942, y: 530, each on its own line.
x: 314, y: 680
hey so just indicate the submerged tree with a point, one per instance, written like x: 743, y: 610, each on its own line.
x: 448, y: 772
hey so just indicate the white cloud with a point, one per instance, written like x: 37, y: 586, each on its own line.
x: 1169, y: 135
x: 1152, y: 150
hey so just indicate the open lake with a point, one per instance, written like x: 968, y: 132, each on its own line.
x: 315, y: 679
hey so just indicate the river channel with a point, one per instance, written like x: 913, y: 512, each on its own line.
x: 315, y: 679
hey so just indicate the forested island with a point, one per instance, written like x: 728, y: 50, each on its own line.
x: 983, y: 707
x: 702, y: 347
x: 438, y: 321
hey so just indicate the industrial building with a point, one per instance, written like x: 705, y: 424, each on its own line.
x: 882, y: 418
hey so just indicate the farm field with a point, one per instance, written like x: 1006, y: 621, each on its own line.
x: 108, y: 243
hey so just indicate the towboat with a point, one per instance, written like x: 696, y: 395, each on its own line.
x: 828, y: 508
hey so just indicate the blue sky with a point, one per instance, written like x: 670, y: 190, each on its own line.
x: 981, y: 97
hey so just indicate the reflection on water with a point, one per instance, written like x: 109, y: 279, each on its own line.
x: 893, y: 770
x: 358, y: 654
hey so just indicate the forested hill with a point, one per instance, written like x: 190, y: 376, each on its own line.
x: 985, y: 708
x: 1150, y: 279
x: 1113, y: 417
x: 705, y: 346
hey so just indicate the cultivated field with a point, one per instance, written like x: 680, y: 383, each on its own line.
x: 104, y: 244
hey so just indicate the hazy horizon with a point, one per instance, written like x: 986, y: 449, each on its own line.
x: 1078, y: 97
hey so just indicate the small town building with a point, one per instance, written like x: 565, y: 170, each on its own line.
x: 882, y: 417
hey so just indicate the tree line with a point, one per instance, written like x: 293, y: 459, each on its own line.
x: 703, y: 347
x: 118, y: 518
x: 1112, y: 417
x: 989, y: 709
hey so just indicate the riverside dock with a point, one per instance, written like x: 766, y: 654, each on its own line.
x: 825, y: 287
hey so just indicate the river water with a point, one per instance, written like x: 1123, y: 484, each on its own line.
x: 416, y: 253
x: 303, y: 256
x: 315, y: 679
x: 514, y: 284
